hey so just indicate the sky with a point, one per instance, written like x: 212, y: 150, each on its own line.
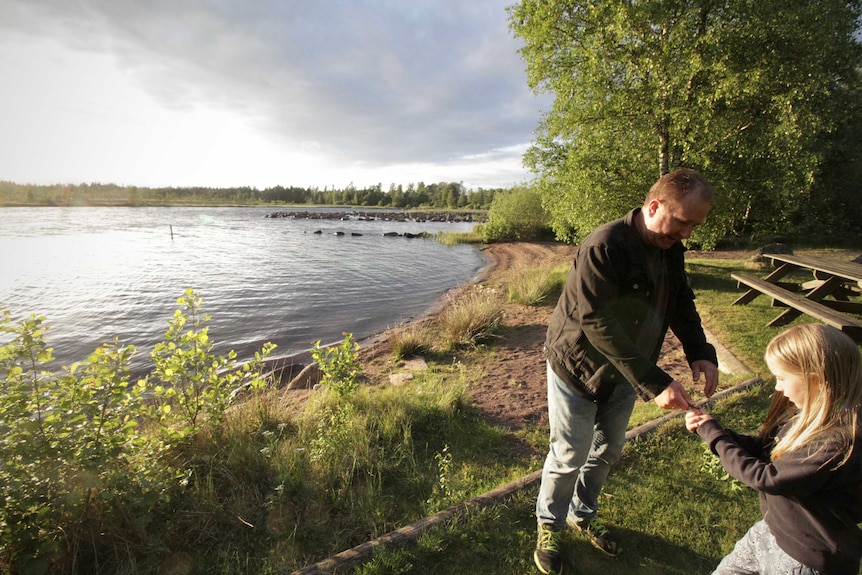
x: 261, y: 93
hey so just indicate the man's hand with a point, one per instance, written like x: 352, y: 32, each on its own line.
x: 710, y: 371
x: 674, y: 397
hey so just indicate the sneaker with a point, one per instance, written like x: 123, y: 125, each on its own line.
x: 598, y: 535
x: 547, y: 554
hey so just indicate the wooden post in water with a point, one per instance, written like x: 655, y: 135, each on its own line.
x: 172, y: 232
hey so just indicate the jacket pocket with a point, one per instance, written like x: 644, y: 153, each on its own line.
x: 589, y: 368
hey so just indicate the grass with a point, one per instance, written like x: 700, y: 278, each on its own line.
x: 412, y: 340
x: 741, y: 328
x: 532, y: 286
x: 672, y: 511
x: 466, y: 321
x: 671, y: 516
x: 454, y: 238
x: 279, y: 487
x: 470, y: 319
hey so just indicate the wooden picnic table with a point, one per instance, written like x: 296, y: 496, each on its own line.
x: 834, y: 279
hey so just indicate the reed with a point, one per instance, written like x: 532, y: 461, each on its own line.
x: 455, y: 238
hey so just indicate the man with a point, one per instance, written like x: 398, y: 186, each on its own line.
x: 626, y: 288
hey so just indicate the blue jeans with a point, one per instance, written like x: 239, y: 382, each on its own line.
x: 586, y: 439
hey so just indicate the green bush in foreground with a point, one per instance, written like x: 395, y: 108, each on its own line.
x: 339, y: 365
x: 88, y: 456
x: 170, y: 474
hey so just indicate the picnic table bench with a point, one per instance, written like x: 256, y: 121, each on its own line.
x: 839, y: 280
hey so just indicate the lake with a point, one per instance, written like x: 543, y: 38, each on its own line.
x: 102, y: 273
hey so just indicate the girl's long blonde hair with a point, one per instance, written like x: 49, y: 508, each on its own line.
x: 830, y: 411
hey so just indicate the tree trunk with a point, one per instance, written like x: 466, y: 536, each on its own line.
x: 664, y: 148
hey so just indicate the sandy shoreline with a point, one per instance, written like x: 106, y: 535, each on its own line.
x: 509, y: 381
x: 287, y: 367
x: 509, y: 385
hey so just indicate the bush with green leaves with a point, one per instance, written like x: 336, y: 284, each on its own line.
x: 83, y: 473
x: 339, y: 365
x: 517, y: 215
x: 189, y: 385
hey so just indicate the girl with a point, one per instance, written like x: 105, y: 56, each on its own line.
x: 806, y: 460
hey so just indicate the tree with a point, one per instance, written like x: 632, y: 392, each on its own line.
x: 746, y: 91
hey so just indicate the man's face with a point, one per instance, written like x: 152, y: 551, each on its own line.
x: 669, y: 221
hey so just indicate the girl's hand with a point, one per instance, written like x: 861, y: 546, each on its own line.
x: 694, y: 418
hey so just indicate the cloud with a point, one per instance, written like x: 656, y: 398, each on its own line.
x: 374, y: 83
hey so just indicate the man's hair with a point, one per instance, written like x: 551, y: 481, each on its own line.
x: 680, y: 183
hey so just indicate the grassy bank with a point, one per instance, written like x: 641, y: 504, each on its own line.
x: 277, y: 484
x: 672, y: 506
x: 672, y: 514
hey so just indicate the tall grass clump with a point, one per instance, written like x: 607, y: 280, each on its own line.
x: 470, y: 319
x: 533, y: 286
x: 410, y: 341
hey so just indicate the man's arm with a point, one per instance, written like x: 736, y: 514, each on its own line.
x: 685, y: 323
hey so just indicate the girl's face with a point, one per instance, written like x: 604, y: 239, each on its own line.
x: 792, y: 385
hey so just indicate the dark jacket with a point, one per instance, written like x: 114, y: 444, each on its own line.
x: 619, y: 299
x: 811, y: 507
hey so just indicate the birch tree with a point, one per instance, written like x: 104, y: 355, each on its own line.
x: 750, y: 92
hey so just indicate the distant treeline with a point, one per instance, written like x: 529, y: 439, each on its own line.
x: 444, y: 195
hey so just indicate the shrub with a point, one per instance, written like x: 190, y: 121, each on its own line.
x: 517, y: 215
x: 189, y: 385
x: 83, y: 475
x: 72, y: 450
x: 339, y: 365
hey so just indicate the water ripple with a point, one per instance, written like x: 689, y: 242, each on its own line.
x: 101, y: 273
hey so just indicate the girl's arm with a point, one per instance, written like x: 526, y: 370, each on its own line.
x: 795, y: 474
x: 694, y: 418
